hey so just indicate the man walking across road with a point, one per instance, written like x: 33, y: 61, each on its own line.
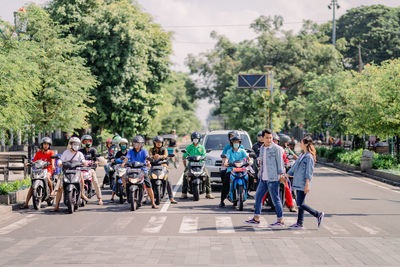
x: 270, y: 174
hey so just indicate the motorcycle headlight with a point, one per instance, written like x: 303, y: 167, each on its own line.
x: 133, y: 180
x: 121, y: 171
x: 238, y: 164
x: 154, y: 176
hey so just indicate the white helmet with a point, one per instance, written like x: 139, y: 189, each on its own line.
x: 73, y: 140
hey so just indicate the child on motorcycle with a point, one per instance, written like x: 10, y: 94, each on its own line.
x: 45, y: 155
x: 158, y: 151
x: 87, y: 149
x: 233, y: 154
x: 194, y: 149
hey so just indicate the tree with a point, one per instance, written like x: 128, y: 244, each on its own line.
x: 61, y: 98
x: 375, y: 28
x: 176, y: 109
x: 126, y: 51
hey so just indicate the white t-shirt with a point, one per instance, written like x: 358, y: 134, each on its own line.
x: 68, y: 155
x: 264, y: 175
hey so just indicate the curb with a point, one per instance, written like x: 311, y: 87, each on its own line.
x: 362, y: 174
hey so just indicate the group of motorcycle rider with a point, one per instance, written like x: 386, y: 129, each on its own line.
x: 118, y: 153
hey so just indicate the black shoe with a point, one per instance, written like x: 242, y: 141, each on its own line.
x: 222, y: 205
x: 320, y: 218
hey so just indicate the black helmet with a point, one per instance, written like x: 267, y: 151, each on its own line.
x: 138, y: 139
x: 236, y: 138
x: 195, y: 135
x: 234, y: 132
x: 275, y: 136
x: 158, y: 139
x: 46, y: 140
x: 284, y: 139
x: 292, y: 143
x: 259, y: 133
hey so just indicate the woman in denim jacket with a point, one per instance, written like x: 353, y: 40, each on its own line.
x: 302, y: 171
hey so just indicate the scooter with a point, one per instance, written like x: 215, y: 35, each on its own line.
x: 119, y: 187
x: 158, y: 175
x: 72, y: 184
x: 134, y: 181
x: 40, y: 186
x: 196, y: 176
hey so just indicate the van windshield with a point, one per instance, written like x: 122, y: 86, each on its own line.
x: 219, y: 141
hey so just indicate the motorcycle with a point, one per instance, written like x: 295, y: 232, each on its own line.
x: 196, y: 176
x: 40, y: 186
x: 290, y: 181
x: 135, y: 188
x: 72, y: 184
x: 119, y: 187
x: 88, y: 189
x: 158, y: 175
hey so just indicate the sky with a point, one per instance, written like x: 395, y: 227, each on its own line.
x: 193, y: 20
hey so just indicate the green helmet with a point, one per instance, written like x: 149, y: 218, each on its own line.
x: 116, y: 140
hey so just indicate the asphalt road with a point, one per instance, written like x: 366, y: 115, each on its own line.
x: 361, y: 227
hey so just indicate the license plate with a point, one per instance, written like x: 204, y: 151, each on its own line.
x: 196, y: 164
x: 239, y: 169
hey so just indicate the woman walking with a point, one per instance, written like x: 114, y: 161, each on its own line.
x: 302, y: 171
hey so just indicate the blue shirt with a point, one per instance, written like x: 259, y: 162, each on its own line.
x: 227, y: 147
x: 233, y: 155
x: 138, y: 156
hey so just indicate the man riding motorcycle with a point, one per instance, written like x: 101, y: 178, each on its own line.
x: 140, y: 154
x: 233, y: 154
x: 158, y: 151
x: 43, y: 154
x: 87, y: 149
x: 110, y: 154
x: 226, y: 148
x: 123, y: 152
x: 194, y: 149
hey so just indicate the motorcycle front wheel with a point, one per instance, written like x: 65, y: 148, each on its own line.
x: 37, y: 198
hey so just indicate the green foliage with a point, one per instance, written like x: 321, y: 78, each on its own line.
x: 350, y: 157
x: 177, y: 107
x: 127, y: 52
x: 42, y: 80
x: 332, y: 154
x: 381, y: 161
x: 6, y: 188
x: 376, y: 28
x: 293, y: 57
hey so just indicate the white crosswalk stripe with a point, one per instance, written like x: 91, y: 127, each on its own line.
x: 224, y: 225
x: 189, y: 225
x: 155, y: 224
x: 17, y: 225
x: 334, y: 228
x: 370, y: 229
x: 120, y: 224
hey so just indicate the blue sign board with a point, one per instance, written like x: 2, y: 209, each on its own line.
x: 252, y: 81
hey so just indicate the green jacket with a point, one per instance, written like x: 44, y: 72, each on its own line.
x: 192, y: 150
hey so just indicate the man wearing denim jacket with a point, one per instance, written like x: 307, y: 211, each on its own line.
x: 270, y: 174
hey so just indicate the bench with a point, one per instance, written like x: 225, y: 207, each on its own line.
x: 12, y: 162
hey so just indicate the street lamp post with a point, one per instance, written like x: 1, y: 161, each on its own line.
x: 333, y: 5
x: 270, y: 91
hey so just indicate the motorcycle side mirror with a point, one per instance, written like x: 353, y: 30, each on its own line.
x: 208, y: 150
x: 171, y: 155
x: 249, y: 151
x: 223, y: 156
x: 183, y: 150
x: 55, y: 157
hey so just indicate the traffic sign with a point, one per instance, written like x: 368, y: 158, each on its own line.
x: 253, y: 81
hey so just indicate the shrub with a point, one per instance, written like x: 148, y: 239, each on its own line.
x: 331, y: 154
x: 6, y: 188
x: 350, y: 157
x: 381, y: 161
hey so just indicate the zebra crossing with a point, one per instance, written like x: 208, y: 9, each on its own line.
x: 221, y: 224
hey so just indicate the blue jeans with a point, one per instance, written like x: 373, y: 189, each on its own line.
x: 273, y: 189
x: 300, y: 201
